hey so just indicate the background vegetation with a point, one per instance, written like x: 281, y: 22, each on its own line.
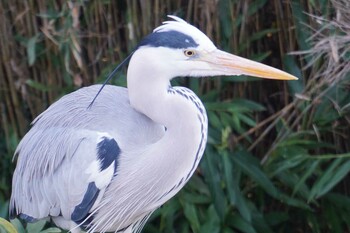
x: 278, y: 154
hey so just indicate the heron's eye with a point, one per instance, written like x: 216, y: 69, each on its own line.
x: 189, y: 53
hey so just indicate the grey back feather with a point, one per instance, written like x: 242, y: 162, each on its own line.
x: 49, y: 149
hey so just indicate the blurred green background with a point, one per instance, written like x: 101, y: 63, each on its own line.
x: 277, y: 158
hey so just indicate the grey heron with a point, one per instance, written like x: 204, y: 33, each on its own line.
x: 108, y: 167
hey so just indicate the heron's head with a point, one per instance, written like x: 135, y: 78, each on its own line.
x: 180, y: 49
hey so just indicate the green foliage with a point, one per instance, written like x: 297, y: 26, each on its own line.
x: 36, y: 227
x: 277, y: 158
x: 6, y: 227
x: 15, y: 226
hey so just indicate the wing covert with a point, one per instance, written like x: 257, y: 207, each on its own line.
x: 101, y: 172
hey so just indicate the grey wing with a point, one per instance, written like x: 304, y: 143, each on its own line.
x: 70, y: 155
x: 67, y: 186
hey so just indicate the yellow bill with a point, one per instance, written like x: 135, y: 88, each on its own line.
x: 230, y: 64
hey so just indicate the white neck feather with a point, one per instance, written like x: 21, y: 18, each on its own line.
x: 179, y: 110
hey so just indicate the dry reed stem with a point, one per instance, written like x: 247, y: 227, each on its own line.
x: 329, y: 48
x: 75, y: 53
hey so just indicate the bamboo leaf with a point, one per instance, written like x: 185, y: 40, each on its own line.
x: 36, y: 227
x: 290, y: 180
x: 260, y: 223
x: 18, y: 225
x: 246, y: 119
x: 31, y: 52
x: 232, y: 182
x: 339, y: 200
x: 225, y: 18
x: 300, y: 22
x: 4, y: 209
x: 324, y: 179
x: 286, y: 164
x: 275, y: 218
x: 212, y: 177
x: 296, y: 86
x: 338, y: 175
x: 212, y: 223
x: 239, y: 223
x: 214, y: 120
x: 6, y: 227
x: 307, y: 174
x: 191, y: 214
x: 251, y: 167
x: 51, y: 230
x: 37, y: 85
x: 167, y: 214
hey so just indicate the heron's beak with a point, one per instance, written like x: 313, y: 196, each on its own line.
x: 230, y: 64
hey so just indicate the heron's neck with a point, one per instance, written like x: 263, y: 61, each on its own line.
x: 184, y: 117
x: 172, y: 107
x: 151, y: 94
